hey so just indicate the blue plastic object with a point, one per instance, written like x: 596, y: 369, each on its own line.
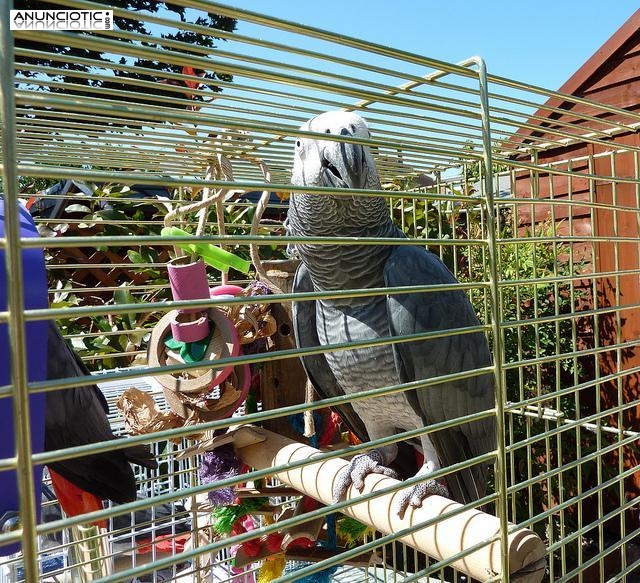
x: 35, y: 297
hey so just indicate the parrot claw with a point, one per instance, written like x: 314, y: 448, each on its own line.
x: 415, y: 496
x: 359, y: 467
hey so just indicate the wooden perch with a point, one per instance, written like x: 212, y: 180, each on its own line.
x: 264, y: 492
x: 262, y: 449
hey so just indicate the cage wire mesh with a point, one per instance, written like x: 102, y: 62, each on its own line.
x: 530, y: 197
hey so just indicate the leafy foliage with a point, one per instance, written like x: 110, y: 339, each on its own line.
x: 114, y: 338
x: 74, y: 74
x: 423, y: 218
x: 30, y: 183
x: 119, y: 339
x: 540, y: 305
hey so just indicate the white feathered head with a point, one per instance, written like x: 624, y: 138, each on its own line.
x: 330, y: 163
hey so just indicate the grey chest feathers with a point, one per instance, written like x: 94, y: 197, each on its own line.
x: 363, y: 369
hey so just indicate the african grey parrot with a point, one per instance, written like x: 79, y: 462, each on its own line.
x: 343, y: 164
x: 78, y: 416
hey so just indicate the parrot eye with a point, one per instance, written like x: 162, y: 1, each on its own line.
x: 297, y: 143
x: 353, y: 129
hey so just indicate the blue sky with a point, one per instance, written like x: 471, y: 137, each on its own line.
x: 540, y: 42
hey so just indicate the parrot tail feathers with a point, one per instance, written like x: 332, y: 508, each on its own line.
x: 141, y: 455
x: 469, y: 484
x: 74, y: 500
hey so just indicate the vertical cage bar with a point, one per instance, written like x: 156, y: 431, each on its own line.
x: 15, y: 303
x: 502, y: 504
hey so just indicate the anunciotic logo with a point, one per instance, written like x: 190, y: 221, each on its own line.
x: 61, y: 20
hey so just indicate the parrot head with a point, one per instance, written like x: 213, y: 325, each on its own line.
x: 330, y: 163
x: 338, y: 163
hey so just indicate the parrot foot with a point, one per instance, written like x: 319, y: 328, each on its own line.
x: 416, y: 495
x: 360, y: 467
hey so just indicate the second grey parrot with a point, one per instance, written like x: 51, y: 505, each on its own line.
x: 328, y: 267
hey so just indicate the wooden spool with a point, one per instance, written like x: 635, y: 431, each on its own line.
x: 180, y: 389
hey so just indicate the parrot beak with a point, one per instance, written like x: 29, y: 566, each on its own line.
x: 343, y: 165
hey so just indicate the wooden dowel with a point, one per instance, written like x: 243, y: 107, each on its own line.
x: 267, y: 492
x: 440, y: 540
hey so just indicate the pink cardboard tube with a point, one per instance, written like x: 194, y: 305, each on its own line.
x: 188, y: 282
x: 225, y: 290
x: 190, y: 331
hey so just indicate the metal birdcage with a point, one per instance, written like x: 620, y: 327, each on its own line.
x: 530, y: 197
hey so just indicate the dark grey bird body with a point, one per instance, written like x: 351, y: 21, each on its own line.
x: 78, y: 416
x: 366, y: 368
x: 328, y: 322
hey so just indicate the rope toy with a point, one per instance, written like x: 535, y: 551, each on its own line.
x: 328, y: 422
x: 273, y: 566
x: 325, y: 575
x: 217, y: 465
x: 224, y: 517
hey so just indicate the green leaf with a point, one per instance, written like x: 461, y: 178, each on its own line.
x: 134, y: 256
x: 77, y: 208
x: 111, y: 215
x: 103, y: 324
x: 148, y: 255
x: 123, y: 295
x: 120, y: 190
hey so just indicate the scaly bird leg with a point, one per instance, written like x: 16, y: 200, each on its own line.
x: 360, y: 467
x: 415, y: 495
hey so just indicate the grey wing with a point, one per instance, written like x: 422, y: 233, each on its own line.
x: 316, y: 366
x: 422, y: 312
